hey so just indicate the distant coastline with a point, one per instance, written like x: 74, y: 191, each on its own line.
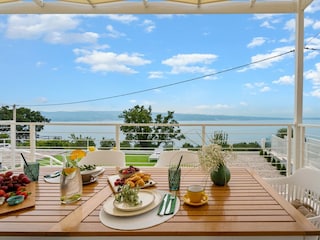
x: 103, y: 116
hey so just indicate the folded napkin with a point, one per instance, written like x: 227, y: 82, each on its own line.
x: 167, y: 205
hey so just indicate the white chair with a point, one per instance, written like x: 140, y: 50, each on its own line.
x: 168, y: 158
x: 104, y: 158
x: 302, y: 187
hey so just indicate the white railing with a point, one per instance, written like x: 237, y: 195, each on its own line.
x: 197, y: 135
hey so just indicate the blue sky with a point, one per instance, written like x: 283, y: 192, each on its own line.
x: 181, y: 63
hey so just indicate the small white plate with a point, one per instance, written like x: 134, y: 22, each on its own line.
x: 97, y: 170
x: 109, y: 208
x: 145, y: 198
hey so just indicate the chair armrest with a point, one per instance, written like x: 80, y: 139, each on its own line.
x: 315, y: 221
x: 278, y: 180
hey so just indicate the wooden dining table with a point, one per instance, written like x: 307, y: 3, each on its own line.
x: 247, y: 208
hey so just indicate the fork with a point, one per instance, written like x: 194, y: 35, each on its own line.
x: 171, y: 199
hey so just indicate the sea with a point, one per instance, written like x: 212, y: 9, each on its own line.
x: 235, y: 134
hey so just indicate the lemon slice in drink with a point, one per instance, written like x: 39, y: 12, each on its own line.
x: 68, y: 171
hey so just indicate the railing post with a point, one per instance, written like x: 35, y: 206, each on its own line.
x: 118, y: 137
x: 203, y: 135
x: 289, y: 149
x: 13, y: 139
x: 32, y: 137
x: 302, y: 146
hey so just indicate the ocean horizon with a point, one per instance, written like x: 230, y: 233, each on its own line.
x: 105, y: 116
x: 236, y: 134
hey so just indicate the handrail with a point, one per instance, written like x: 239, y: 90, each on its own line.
x: 202, y: 127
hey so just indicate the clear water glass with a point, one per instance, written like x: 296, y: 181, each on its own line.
x: 70, y: 185
x: 174, y: 176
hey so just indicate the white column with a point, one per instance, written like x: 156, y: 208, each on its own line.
x: 298, y: 106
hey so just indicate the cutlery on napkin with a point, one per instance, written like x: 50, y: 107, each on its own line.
x: 171, y: 205
x: 167, y: 205
x: 163, y: 205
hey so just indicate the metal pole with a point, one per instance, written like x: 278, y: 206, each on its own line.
x: 298, y: 107
x: 13, y: 136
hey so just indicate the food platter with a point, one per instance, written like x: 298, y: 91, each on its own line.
x: 112, y: 179
x: 110, y: 208
x: 96, y: 171
x: 29, y: 202
x: 145, y: 198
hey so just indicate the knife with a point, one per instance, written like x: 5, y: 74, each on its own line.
x: 171, y: 205
x: 163, y: 205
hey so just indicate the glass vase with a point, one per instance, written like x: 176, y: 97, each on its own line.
x: 70, y: 185
x: 222, y: 176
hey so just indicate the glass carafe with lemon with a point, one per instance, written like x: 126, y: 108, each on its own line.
x: 70, y: 178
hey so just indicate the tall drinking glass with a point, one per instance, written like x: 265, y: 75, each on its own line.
x: 174, y: 176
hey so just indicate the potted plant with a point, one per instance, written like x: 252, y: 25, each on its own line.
x: 213, y: 160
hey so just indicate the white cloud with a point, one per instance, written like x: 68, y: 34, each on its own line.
x: 99, y: 61
x: 124, y: 18
x: 249, y: 85
x: 314, y: 75
x: 316, y: 25
x: 244, y: 104
x: 290, y: 25
x: 221, y: 106
x: 257, y: 86
x: 42, y: 99
x: 148, y: 25
x: 285, y: 80
x: 51, y: 28
x: 263, y: 16
x: 153, y: 75
x: 213, y: 107
x: 40, y: 63
x: 266, y: 24
x: 114, y: 33
x: 265, y: 89
x: 313, y: 7
x: 257, y: 41
x: 68, y: 38
x: 267, y: 60
x: 316, y: 93
x: 190, y: 63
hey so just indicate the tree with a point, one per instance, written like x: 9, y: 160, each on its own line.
x: 22, y: 115
x: 147, y: 136
x: 79, y: 141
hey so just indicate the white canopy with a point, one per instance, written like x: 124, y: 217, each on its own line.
x: 151, y: 7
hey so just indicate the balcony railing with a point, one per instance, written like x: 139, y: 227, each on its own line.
x: 240, y: 135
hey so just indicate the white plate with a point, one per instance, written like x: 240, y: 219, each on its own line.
x: 93, y: 171
x: 113, y: 178
x: 109, y: 208
x: 97, y: 171
x: 145, y: 197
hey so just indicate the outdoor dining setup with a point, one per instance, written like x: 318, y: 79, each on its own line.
x: 151, y: 202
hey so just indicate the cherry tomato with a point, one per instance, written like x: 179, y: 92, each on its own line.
x: 2, y: 193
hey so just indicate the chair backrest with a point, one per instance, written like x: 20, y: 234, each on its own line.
x: 105, y: 158
x: 303, y: 186
x: 168, y: 158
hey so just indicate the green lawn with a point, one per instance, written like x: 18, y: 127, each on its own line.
x: 136, y: 160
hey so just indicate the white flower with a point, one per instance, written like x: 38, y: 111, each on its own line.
x: 212, y: 156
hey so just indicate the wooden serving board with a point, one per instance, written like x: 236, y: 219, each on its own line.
x: 29, y: 202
